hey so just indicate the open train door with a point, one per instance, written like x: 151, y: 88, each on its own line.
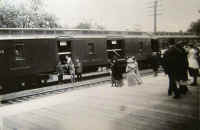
x: 64, y: 48
x: 154, y: 45
x: 115, y: 46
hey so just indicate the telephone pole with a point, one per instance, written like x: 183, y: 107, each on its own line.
x: 155, y: 14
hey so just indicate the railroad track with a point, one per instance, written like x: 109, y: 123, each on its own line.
x: 27, y: 95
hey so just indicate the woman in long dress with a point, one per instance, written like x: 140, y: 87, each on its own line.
x: 133, y: 74
x: 193, y: 63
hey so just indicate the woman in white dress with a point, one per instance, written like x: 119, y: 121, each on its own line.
x: 133, y: 74
x: 193, y: 63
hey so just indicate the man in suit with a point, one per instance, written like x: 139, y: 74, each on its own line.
x: 171, y: 68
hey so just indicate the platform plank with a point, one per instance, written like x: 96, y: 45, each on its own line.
x: 141, y: 107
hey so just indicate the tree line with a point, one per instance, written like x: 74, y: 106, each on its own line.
x: 32, y: 15
x: 25, y: 16
x: 195, y: 27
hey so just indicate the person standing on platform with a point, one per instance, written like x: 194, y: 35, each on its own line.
x: 193, y: 63
x: 72, y: 71
x: 113, y: 66
x: 133, y: 74
x: 183, y: 60
x: 119, y: 76
x: 78, y: 69
x: 170, y: 65
x: 60, y: 70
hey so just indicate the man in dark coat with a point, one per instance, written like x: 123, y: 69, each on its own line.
x: 183, y: 66
x: 169, y: 65
x: 175, y: 64
x: 113, y: 65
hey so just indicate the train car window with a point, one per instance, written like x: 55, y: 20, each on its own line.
x: 119, y: 44
x: 19, y: 52
x: 164, y: 45
x: 114, y: 42
x: 64, y: 46
x: 91, y: 48
x: 63, y: 43
x: 154, y: 45
x: 141, y: 46
x: 17, y: 59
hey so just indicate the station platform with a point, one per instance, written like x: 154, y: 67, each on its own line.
x: 141, y: 107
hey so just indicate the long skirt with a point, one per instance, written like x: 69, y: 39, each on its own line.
x: 133, y: 78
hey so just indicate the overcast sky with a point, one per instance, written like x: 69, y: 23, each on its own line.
x: 126, y: 14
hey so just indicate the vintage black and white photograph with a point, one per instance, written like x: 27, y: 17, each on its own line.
x: 99, y: 64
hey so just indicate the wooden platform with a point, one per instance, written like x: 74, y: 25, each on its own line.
x: 46, y: 89
x: 142, y: 107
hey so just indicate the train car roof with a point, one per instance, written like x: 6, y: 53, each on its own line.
x: 175, y: 36
x: 21, y: 37
x: 137, y: 36
x: 79, y: 36
x: 102, y: 36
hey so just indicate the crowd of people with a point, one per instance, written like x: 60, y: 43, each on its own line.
x: 129, y: 67
x: 71, y: 68
x: 116, y: 72
x: 180, y: 59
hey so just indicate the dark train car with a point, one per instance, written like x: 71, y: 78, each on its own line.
x: 140, y: 47
x: 161, y: 42
x: 91, y: 50
x: 115, y: 46
x: 25, y: 60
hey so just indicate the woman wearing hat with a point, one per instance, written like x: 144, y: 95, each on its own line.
x: 133, y: 75
x: 193, y: 63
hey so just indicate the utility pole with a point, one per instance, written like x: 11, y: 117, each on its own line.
x: 155, y: 14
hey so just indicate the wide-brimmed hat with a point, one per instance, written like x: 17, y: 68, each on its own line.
x: 131, y: 59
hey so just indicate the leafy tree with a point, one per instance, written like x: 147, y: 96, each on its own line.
x: 89, y: 25
x: 84, y: 25
x: 100, y: 27
x: 195, y: 27
x: 30, y: 15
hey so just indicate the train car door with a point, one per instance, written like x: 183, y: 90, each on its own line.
x: 154, y: 45
x: 115, y: 47
x: 4, y: 57
x: 17, y: 58
x: 64, y: 48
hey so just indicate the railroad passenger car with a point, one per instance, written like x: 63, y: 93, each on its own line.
x: 161, y: 42
x: 29, y: 56
x: 91, y: 50
x: 140, y: 47
x: 25, y: 61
